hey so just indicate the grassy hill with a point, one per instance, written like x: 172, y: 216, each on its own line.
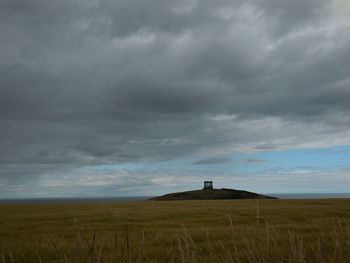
x: 211, y: 194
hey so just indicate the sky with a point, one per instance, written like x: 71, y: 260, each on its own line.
x: 146, y: 97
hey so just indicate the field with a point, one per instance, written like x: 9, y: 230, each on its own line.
x: 236, y: 231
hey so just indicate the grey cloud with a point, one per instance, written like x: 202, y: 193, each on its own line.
x: 253, y: 160
x: 331, y: 151
x: 266, y: 147
x: 213, y: 160
x: 290, y: 16
x: 103, y: 82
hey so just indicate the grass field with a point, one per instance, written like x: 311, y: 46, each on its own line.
x: 237, y: 231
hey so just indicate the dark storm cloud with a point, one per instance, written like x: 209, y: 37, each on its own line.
x: 103, y: 82
x: 213, y: 160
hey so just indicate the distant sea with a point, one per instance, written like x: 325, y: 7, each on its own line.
x: 73, y: 200
x: 141, y: 198
x: 311, y: 196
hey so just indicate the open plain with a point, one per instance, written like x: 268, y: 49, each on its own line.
x: 237, y: 231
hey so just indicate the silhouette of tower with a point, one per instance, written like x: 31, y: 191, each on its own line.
x: 208, y: 185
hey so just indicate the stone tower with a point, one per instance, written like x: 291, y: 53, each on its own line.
x: 208, y: 185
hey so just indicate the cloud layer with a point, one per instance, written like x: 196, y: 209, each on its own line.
x: 95, y: 82
x: 213, y: 160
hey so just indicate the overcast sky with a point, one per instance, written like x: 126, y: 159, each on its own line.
x: 141, y: 97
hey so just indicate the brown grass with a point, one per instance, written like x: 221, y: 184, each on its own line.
x: 236, y: 231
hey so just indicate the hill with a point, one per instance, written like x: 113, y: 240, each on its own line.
x: 212, y: 194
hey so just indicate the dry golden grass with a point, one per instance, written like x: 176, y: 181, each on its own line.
x: 237, y: 231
